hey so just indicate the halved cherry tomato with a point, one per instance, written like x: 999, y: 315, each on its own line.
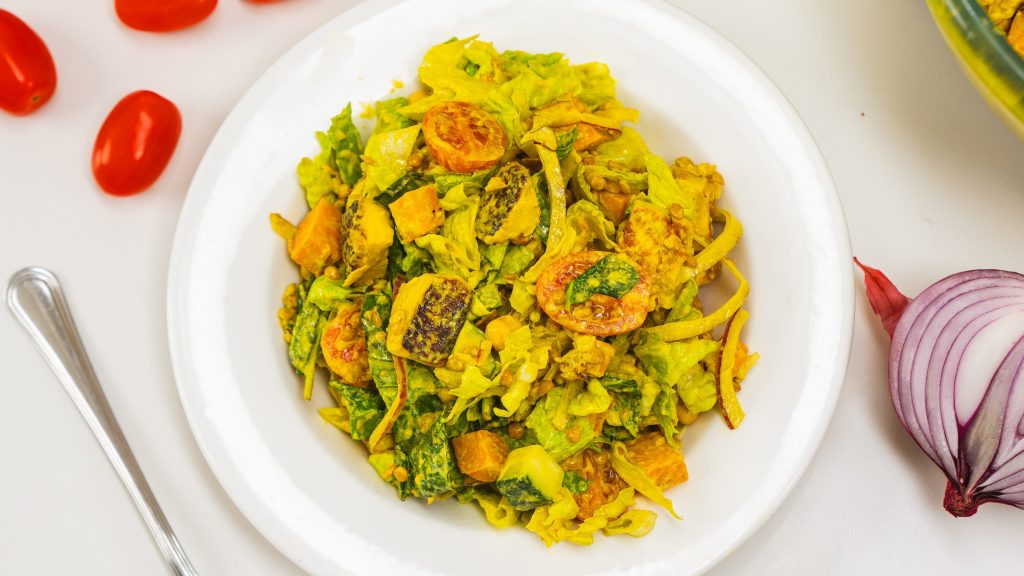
x: 344, y: 346
x: 599, y: 315
x: 163, y: 15
x: 463, y: 137
x: 135, y: 143
x: 27, y: 74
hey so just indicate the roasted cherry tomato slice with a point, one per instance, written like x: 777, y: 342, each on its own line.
x: 135, y: 143
x: 463, y: 137
x: 27, y: 74
x: 163, y: 15
x: 599, y: 315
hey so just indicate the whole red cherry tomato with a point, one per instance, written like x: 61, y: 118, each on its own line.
x: 27, y: 74
x: 163, y: 15
x: 135, y: 143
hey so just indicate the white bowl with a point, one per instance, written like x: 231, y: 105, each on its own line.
x: 307, y: 487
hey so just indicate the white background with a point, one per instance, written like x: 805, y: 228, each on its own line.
x: 932, y: 183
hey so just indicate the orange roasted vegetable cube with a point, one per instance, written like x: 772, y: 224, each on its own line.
x: 614, y: 205
x: 661, y: 462
x: 317, y: 239
x: 417, y: 213
x: 480, y: 454
x: 589, y: 136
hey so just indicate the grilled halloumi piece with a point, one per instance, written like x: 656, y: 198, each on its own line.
x: 368, y: 236
x: 426, y: 318
x: 510, y: 210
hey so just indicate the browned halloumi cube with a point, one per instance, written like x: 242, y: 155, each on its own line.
x: 426, y: 318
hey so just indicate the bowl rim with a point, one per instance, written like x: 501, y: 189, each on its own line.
x: 970, y: 29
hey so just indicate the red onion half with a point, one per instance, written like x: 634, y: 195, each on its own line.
x: 956, y: 378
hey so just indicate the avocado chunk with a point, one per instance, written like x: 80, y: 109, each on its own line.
x: 529, y: 478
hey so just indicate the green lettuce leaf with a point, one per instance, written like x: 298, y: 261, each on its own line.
x: 405, y: 183
x: 627, y: 409
x: 578, y: 433
x: 667, y: 362
x: 596, y: 86
x: 386, y: 155
x: 474, y: 181
x: 595, y: 400
x: 304, y: 345
x: 628, y: 151
x: 683, y: 309
x: 388, y: 117
x: 544, y: 222
x: 365, y: 408
x: 566, y: 140
x: 663, y: 190
x: 517, y: 259
x: 327, y: 294
x: 698, y: 390
x: 337, y: 163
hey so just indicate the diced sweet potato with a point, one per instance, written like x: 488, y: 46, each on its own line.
x: 317, y: 239
x: 417, y: 213
x: 614, y: 205
x: 480, y: 455
x: 590, y: 136
x: 661, y: 462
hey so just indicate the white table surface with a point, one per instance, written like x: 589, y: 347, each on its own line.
x: 931, y: 180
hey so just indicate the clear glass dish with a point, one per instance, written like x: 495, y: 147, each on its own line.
x: 996, y: 70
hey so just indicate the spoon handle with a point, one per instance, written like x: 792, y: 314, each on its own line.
x: 35, y: 298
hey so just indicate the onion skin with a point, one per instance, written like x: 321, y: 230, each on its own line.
x: 967, y: 418
x: 886, y: 300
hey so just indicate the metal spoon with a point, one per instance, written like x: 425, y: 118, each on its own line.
x: 35, y: 298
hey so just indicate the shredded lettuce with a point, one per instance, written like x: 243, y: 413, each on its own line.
x: 628, y: 151
x: 529, y: 378
x: 595, y: 400
x: 637, y: 478
x: 585, y: 223
x: 337, y: 164
x: 524, y: 358
x: 576, y: 432
x: 663, y: 190
x: 386, y: 157
x: 388, y: 117
x: 473, y: 384
x: 554, y: 522
x: 327, y: 294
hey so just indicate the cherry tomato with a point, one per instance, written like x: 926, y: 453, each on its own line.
x: 463, y: 137
x: 27, y: 74
x: 163, y: 15
x: 135, y: 143
x: 599, y: 315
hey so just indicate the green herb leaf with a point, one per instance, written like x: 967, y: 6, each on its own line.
x: 575, y: 483
x: 611, y: 276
